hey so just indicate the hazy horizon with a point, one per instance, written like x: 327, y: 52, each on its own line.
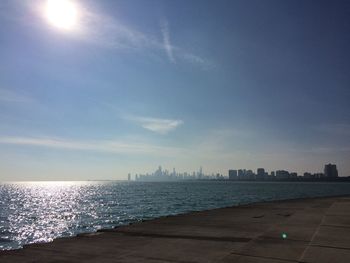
x: 118, y: 87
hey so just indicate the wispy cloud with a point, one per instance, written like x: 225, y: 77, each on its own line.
x: 161, y: 126
x: 107, y: 31
x: 106, y: 146
x: 166, y: 40
x: 196, y: 60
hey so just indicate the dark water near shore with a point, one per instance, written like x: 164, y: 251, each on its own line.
x: 42, y: 211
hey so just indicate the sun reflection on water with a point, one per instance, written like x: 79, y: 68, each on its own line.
x: 42, y: 211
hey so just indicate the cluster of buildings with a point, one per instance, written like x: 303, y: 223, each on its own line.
x: 330, y: 173
x: 165, y: 175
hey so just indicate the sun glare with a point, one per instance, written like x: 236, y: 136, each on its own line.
x: 62, y: 14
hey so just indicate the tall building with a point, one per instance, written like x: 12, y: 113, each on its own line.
x: 129, y: 177
x: 307, y: 175
x: 260, y: 173
x: 200, y: 173
x: 232, y: 174
x: 330, y: 171
x: 293, y: 175
x: 250, y: 175
x: 241, y: 174
x: 159, y: 172
x: 282, y: 174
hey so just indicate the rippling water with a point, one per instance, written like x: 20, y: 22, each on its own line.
x: 42, y: 211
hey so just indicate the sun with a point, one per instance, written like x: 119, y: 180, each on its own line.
x: 62, y: 14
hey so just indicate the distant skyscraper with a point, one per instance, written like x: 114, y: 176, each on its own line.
x: 307, y: 175
x: 159, y: 172
x: 200, y: 173
x: 293, y: 175
x: 232, y: 174
x: 330, y: 171
x: 282, y: 174
x: 260, y: 173
x: 241, y: 174
x: 129, y: 177
x: 250, y: 175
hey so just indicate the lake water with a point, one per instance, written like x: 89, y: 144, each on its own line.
x: 42, y: 211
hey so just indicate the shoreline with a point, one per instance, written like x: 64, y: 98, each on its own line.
x: 166, y: 216
x: 240, y: 228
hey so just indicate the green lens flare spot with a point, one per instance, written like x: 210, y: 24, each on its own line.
x: 284, y: 235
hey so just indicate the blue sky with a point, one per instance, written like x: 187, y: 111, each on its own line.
x: 137, y: 84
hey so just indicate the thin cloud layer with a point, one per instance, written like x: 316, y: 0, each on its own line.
x: 160, y: 126
x: 104, y: 146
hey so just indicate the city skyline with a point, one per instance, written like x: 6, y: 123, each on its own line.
x: 95, y: 90
x: 330, y: 172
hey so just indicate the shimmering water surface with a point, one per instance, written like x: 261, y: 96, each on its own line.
x: 43, y: 211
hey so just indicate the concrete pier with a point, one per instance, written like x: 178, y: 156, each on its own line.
x: 313, y: 230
